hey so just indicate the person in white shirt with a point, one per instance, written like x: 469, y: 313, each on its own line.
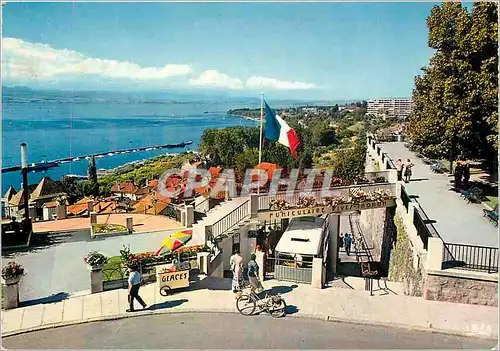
x: 134, y: 283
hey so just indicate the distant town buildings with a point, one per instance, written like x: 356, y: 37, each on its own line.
x: 400, y: 108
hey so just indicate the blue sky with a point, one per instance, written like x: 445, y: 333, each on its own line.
x: 293, y: 50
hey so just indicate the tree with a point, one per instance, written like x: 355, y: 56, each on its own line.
x: 349, y: 164
x: 92, y: 174
x: 246, y: 160
x: 456, y: 97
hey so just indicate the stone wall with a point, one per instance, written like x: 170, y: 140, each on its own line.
x: 373, y: 226
x: 449, y: 288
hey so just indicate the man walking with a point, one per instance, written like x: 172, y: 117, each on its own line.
x: 347, y: 242
x: 458, y: 176
x: 134, y: 283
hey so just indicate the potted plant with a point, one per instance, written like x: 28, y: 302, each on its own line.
x: 12, y: 273
x: 95, y: 260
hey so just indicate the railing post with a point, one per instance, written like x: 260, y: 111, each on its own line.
x: 435, y: 249
x: 489, y: 261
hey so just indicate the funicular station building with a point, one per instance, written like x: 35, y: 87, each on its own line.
x: 295, y: 235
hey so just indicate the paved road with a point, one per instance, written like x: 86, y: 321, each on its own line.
x: 233, y: 331
x: 56, y: 266
x: 456, y: 221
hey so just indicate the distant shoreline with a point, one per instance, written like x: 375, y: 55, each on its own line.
x: 244, y: 117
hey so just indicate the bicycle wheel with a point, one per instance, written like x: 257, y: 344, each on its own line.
x: 165, y: 290
x: 278, y: 308
x: 245, y: 305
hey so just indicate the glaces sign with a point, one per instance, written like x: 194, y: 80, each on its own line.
x: 178, y: 279
x: 323, y: 210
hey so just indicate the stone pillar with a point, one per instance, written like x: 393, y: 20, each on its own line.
x: 189, y: 216
x: 90, y: 206
x: 254, y: 204
x: 317, y: 273
x: 61, y: 211
x: 93, y: 218
x: 333, y: 243
x: 183, y: 217
x: 261, y: 262
x: 96, y: 281
x: 392, y: 176
x: 203, y: 260
x: 130, y: 225
x: 11, y: 295
x: 434, y: 258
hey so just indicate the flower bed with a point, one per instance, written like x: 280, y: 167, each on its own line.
x: 108, y: 228
x: 355, y: 197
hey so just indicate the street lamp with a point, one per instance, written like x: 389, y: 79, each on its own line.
x: 24, y: 171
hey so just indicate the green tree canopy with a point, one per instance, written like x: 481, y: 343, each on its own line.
x: 456, y: 98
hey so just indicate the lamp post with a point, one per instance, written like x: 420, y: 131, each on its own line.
x: 24, y: 171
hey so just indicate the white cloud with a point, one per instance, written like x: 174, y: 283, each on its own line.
x: 213, y: 78
x: 24, y: 62
x: 275, y: 84
x: 36, y: 61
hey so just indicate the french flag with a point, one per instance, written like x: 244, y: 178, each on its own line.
x: 277, y: 129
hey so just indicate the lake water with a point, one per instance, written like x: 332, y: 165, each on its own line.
x: 59, y: 125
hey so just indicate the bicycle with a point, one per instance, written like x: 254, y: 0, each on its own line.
x: 275, y: 305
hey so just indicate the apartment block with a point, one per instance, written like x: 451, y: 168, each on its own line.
x: 389, y: 107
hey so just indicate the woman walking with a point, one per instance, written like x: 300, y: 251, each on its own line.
x: 408, y: 167
x: 237, y: 269
x: 253, y: 274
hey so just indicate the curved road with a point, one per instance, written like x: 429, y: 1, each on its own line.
x: 233, y: 331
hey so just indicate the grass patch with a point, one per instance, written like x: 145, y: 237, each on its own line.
x: 492, y: 201
x: 108, y: 228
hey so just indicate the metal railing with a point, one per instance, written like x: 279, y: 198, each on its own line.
x: 202, y: 206
x: 288, y: 270
x: 422, y: 227
x: 173, y: 211
x: 223, y: 225
x: 405, y: 198
x: 470, y: 257
x: 343, y: 191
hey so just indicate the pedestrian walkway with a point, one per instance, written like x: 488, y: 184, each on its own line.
x: 213, y: 295
x: 456, y: 221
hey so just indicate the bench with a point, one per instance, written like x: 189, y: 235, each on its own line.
x: 492, y: 215
x: 471, y: 195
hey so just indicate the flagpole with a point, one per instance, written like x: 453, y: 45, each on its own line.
x: 260, y: 135
x: 261, y: 124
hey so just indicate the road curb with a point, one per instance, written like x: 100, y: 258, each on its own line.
x: 326, y: 318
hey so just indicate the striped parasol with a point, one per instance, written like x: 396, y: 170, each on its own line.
x: 174, y: 241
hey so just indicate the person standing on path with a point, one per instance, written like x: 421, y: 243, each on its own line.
x: 236, y: 264
x: 457, y: 173
x: 466, y: 175
x: 399, y: 169
x: 134, y: 283
x: 253, y: 274
x: 348, y: 242
x: 341, y: 240
x: 408, y: 167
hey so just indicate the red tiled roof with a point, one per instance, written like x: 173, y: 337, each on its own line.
x: 126, y: 188
x: 50, y: 204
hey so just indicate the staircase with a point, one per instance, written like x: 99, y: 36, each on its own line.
x: 361, y: 249
x: 222, y: 221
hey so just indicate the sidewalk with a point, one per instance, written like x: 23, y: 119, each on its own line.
x: 456, y: 221
x: 210, y: 294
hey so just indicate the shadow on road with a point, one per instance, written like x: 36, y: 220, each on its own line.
x: 209, y: 283
x: 291, y: 309
x: 167, y: 304
x: 281, y: 289
x: 49, y: 299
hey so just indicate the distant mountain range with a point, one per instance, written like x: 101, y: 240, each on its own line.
x: 18, y: 94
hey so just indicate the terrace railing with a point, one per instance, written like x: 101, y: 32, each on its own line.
x: 221, y: 227
x: 470, y: 257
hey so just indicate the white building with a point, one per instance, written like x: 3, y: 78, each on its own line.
x: 390, y: 107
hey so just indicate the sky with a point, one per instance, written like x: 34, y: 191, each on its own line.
x: 292, y: 50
